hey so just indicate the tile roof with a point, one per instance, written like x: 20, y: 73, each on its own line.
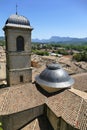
x: 82, y: 116
x: 79, y: 93
x: 18, y: 98
x: 67, y: 105
x: 80, y: 81
x: 71, y: 105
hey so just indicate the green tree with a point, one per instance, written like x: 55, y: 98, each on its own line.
x: 80, y: 56
x: 1, y: 126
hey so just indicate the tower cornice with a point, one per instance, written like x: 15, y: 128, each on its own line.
x: 15, y: 26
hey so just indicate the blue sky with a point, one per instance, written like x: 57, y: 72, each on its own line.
x: 49, y: 17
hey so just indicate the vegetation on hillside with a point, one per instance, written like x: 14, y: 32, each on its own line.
x: 79, y: 52
x: 80, y: 56
x: 58, y: 48
x: 2, y: 43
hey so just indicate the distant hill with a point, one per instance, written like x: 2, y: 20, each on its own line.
x: 56, y: 39
x: 60, y: 39
x: 2, y: 38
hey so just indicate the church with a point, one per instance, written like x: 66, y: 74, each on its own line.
x: 51, y: 102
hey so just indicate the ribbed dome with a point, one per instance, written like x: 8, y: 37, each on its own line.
x: 18, y: 19
x: 54, y: 77
x: 54, y: 73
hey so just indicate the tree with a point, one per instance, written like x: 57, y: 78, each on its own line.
x: 80, y: 56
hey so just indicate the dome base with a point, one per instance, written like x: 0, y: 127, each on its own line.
x: 54, y: 78
x: 49, y: 89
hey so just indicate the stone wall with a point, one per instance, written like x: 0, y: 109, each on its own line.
x: 65, y: 126
x: 13, y: 33
x: 13, y: 76
x: 53, y: 119
x: 57, y: 122
x: 18, y: 120
x: 18, y: 63
x: 19, y: 60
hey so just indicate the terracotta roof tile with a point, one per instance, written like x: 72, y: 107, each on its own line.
x: 65, y: 105
x: 82, y: 116
x: 18, y: 98
x: 70, y: 105
x: 80, y: 81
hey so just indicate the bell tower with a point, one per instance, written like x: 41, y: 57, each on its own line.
x: 18, y: 50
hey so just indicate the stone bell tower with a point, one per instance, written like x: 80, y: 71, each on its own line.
x: 18, y: 49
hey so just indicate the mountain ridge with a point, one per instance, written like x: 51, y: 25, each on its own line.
x: 60, y: 39
x: 56, y: 39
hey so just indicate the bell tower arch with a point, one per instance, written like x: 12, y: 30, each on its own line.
x: 18, y: 49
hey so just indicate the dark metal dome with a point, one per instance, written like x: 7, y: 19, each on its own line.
x: 18, y: 19
x: 54, y: 73
x: 55, y: 77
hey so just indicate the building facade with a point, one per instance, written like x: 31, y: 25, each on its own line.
x: 18, y: 50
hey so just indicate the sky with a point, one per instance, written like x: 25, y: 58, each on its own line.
x: 64, y: 18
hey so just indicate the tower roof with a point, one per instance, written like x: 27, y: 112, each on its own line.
x: 18, y: 19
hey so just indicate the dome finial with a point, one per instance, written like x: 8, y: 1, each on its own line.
x: 16, y: 9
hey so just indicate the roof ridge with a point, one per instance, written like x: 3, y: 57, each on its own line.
x: 79, y: 74
x: 79, y: 93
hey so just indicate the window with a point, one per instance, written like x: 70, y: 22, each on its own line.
x: 21, y: 78
x: 20, y: 43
